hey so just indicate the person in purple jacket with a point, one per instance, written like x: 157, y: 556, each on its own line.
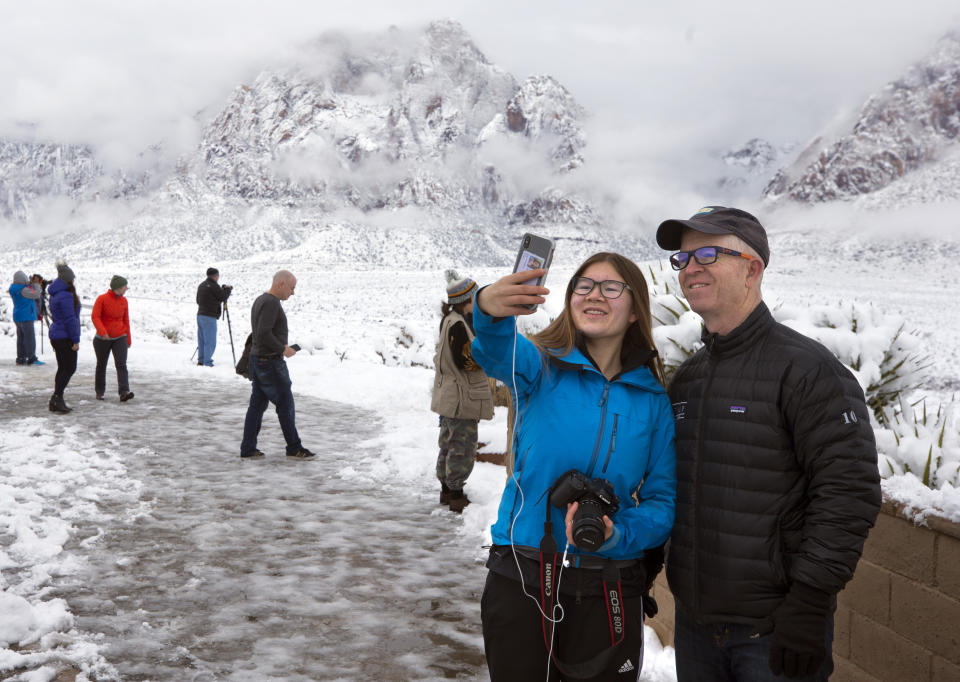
x: 64, y: 332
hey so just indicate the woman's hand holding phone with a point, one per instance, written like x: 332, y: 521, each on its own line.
x: 509, y: 295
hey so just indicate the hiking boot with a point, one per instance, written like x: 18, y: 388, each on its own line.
x: 444, y: 494
x: 124, y: 397
x: 99, y: 396
x: 458, y: 501
x: 255, y: 454
x: 302, y: 453
x: 57, y: 405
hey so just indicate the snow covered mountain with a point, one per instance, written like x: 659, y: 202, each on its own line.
x: 388, y: 124
x: 376, y: 149
x: 32, y: 173
x: 748, y: 166
x: 911, y: 125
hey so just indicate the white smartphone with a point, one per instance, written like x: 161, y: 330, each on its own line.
x: 535, y: 253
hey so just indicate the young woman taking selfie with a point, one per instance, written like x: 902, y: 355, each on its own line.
x: 594, y: 475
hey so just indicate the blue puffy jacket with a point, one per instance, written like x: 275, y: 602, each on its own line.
x: 24, y: 309
x: 569, y: 416
x: 66, y: 316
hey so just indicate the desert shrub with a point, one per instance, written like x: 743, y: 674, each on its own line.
x: 887, y: 360
x: 173, y: 333
x: 676, y: 328
x: 919, y: 441
x: 406, y: 347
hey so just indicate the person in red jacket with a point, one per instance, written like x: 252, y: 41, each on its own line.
x: 111, y: 318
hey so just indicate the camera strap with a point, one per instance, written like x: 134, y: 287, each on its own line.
x: 612, y: 594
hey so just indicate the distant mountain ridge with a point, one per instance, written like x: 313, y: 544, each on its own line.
x: 911, y: 124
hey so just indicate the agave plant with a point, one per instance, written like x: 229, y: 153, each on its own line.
x: 918, y: 441
x: 886, y: 358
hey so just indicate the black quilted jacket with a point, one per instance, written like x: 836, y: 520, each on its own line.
x: 776, y: 472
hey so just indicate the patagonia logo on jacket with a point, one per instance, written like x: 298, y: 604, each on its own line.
x: 680, y: 410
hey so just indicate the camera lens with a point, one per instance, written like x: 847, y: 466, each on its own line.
x: 526, y: 241
x: 588, y: 525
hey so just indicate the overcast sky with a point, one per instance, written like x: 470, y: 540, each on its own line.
x: 664, y: 82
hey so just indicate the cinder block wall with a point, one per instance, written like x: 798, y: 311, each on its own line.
x: 899, y: 618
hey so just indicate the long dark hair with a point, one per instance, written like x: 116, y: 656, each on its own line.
x: 73, y: 290
x: 447, y: 308
x: 560, y: 336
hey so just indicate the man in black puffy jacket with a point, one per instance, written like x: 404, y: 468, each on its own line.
x: 776, y: 470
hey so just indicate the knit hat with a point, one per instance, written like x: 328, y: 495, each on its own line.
x: 20, y: 277
x: 459, y: 289
x: 64, y: 272
x: 212, y: 271
x: 117, y: 282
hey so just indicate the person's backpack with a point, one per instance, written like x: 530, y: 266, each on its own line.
x: 243, y: 364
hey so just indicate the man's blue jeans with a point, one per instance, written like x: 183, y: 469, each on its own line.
x: 731, y: 653
x: 206, y: 339
x: 26, y: 343
x: 271, y: 384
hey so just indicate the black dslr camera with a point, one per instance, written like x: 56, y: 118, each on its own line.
x: 596, y: 498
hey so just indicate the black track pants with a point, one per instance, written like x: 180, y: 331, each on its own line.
x: 514, y: 642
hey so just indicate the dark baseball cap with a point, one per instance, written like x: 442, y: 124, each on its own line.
x: 717, y: 220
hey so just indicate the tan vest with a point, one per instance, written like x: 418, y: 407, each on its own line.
x: 456, y: 392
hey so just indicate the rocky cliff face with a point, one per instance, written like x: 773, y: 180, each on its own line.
x: 34, y: 172
x: 747, y: 168
x: 396, y: 149
x: 390, y: 124
x: 913, y: 122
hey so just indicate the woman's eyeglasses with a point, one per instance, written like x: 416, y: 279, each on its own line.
x: 705, y: 255
x: 609, y: 288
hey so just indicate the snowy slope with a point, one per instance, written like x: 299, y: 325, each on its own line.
x: 910, y: 124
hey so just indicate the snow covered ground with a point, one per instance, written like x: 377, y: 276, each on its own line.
x: 135, y: 544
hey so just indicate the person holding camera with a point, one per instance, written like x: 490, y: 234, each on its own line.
x: 64, y: 332
x: 111, y: 318
x: 594, y: 477
x: 25, y: 294
x: 461, y: 393
x: 210, y: 296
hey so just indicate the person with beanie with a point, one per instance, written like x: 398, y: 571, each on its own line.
x: 64, y: 332
x: 111, y: 318
x: 210, y: 294
x: 461, y: 392
x: 25, y: 293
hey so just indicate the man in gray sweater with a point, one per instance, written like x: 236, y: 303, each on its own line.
x: 268, y: 369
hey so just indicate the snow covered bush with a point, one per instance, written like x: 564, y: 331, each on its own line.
x: 173, y: 332
x: 676, y: 328
x: 917, y: 441
x: 7, y: 328
x: 406, y: 347
x: 886, y: 359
